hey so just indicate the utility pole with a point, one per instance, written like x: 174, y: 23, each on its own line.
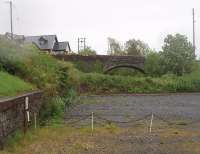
x: 11, y: 17
x: 84, y: 41
x: 81, y: 44
x: 194, y: 41
x: 78, y: 45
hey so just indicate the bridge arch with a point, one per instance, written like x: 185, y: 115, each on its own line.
x: 108, y: 69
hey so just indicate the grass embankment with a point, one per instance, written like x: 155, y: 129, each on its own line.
x: 99, y: 84
x: 46, y: 73
x: 12, y: 85
x: 58, y: 77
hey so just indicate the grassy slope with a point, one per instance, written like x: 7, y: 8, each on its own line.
x: 42, y: 70
x: 11, y: 85
x: 57, y: 77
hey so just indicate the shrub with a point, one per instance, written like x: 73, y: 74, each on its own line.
x: 52, y: 109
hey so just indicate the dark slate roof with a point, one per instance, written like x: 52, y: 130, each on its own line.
x: 61, y: 46
x: 43, y: 42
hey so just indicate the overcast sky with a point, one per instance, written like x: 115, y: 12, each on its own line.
x: 148, y: 20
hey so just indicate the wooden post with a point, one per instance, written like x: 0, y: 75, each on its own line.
x: 24, y: 117
x: 35, y: 120
x: 27, y: 108
x: 26, y: 114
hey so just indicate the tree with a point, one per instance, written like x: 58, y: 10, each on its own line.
x: 87, y: 52
x: 114, y: 47
x: 153, y: 65
x: 178, y: 54
x: 136, y: 47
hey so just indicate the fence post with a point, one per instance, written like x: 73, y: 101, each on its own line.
x: 27, y: 108
x: 25, y: 123
x: 92, y: 122
x: 35, y: 120
x: 151, y: 123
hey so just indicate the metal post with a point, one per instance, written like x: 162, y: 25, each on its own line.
x: 92, y: 122
x: 11, y: 19
x: 194, y: 41
x: 84, y: 39
x: 151, y: 123
x: 78, y: 45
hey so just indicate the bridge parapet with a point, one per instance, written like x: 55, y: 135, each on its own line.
x: 109, y: 62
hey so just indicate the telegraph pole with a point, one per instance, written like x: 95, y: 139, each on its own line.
x: 81, y: 44
x: 84, y: 40
x: 11, y: 17
x: 78, y: 45
x: 194, y: 41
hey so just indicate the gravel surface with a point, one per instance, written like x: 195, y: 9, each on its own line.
x: 123, y: 108
x: 181, y: 137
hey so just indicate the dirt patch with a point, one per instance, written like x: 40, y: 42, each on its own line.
x: 108, y: 140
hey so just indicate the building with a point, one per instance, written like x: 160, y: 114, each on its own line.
x: 48, y: 43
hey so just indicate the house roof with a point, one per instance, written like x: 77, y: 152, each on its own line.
x: 61, y: 46
x: 43, y: 42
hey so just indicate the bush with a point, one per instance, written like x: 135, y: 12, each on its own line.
x: 52, y: 109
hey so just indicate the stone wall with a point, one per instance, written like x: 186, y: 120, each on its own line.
x: 15, y: 112
x: 109, y: 62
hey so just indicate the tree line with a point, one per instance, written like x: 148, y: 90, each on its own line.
x: 176, y: 57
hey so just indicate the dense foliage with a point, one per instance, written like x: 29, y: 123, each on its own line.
x: 131, y: 47
x: 178, y: 54
x: 136, y: 48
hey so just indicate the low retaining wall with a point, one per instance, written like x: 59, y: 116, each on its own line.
x: 17, y: 113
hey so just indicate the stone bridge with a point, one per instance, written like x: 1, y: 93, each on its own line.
x: 109, y: 62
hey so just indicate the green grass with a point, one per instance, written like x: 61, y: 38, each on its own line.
x: 11, y: 85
